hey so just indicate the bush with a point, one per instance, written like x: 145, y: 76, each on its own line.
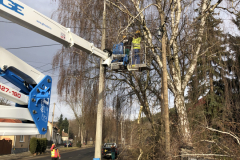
x: 45, y: 142
x: 33, y: 145
x: 79, y: 144
x: 39, y: 145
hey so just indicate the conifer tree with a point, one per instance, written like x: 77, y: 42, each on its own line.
x: 234, y: 69
x: 60, y: 124
x: 207, y: 78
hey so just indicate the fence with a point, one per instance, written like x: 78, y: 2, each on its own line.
x: 5, y: 147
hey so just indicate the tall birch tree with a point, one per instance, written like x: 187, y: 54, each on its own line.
x: 179, y: 18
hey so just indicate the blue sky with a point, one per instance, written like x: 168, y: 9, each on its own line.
x: 14, y: 36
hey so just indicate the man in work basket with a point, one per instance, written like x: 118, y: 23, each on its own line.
x: 136, y: 48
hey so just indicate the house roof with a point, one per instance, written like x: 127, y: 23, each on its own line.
x: 50, y: 124
x: 11, y: 120
x: 64, y: 134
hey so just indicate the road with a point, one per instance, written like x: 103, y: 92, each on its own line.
x: 84, y: 154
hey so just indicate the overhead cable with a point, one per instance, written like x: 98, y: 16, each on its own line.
x: 47, y: 45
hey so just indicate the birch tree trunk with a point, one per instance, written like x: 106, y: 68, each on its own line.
x: 183, y: 119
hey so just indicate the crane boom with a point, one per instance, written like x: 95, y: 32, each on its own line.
x: 33, y: 99
x: 19, y: 13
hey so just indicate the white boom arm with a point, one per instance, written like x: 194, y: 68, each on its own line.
x: 26, y: 78
x: 35, y: 85
x: 8, y: 60
x: 21, y: 99
x: 19, y: 13
x: 7, y: 129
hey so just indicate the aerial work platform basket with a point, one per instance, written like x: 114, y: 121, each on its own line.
x: 125, y: 58
x: 139, y: 60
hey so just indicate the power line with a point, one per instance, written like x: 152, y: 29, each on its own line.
x: 48, y: 70
x: 5, y: 22
x: 47, y: 45
x: 56, y: 67
x: 66, y: 27
x: 59, y: 109
x: 110, y: 27
x: 36, y: 62
x: 43, y: 65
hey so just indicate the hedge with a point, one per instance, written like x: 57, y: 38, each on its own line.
x: 44, y: 144
x: 38, y: 145
x: 33, y: 145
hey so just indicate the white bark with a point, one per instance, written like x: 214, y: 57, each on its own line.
x: 141, y: 152
x: 229, y: 133
x: 182, y: 118
x: 176, y: 82
x: 195, y: 56
x: 148, y: 36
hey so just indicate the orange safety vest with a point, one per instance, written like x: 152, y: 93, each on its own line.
x: 55, y: 153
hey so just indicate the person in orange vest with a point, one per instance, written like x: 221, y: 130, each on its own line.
x: 55, y: 155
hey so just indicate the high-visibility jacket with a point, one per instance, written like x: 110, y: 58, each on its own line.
x: 136, y: 43
x: 55, y: 153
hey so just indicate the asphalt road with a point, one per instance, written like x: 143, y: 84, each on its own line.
x: 84, y: 154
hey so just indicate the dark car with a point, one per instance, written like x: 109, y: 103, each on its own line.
x: 69, y: 144
x: 106, y: 150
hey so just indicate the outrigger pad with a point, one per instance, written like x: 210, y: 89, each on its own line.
x: 39, y: 102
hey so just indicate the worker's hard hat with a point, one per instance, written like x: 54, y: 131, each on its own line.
x: 124, y: 36
x: 137, y: 31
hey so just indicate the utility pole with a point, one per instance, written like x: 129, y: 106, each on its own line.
x: 52, y: 120
x: 130, y: 121
x: 98, y: 144
x: 68, y: 133
x: 117, y: 117
x: 121, y: 136
x: 165, y: 89
x: 124, y: 132
x: 79, y: 137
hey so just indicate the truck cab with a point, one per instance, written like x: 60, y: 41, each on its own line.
x: 106, y: 150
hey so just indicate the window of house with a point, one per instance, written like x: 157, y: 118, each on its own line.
x: 22, y: 138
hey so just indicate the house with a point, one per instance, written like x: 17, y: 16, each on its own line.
x: 64, y: 136
x: 59, y: 139
x: 19, y: 143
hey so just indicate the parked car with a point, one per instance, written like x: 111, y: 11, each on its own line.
x: 106, y: 150
x: 69, y: 144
